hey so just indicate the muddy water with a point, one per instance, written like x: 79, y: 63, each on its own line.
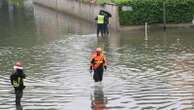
x: 55, y: 48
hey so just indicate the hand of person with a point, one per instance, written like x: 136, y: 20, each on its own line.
x: 23, y: 87
x: 105, y: 67
x: 90, y: 70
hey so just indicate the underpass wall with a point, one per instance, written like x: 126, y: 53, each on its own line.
x: 83, y: 11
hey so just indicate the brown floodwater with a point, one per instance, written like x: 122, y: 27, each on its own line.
x: 55, y: 48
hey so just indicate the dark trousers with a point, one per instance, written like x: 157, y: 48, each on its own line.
x: 100, y: 29
x: 98, y: 74
x: 106, y: 30
x: 18, y: 95
x: 19, y: 107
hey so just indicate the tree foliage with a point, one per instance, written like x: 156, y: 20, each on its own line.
x: 18, y: 3
x: 151, y: 11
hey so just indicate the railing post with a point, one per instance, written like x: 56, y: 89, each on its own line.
x: 146, y: 31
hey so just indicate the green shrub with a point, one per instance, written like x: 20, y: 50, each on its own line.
x: 103, y: 1
x: 120, y: 1
x: 151, y: 11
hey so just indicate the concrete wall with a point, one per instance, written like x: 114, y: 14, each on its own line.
x: 81, y: 10
x: 51, y: 23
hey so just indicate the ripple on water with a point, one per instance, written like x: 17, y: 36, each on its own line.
x: 58, y: 79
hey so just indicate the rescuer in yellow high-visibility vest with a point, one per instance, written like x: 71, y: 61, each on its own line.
x: 100, y: 19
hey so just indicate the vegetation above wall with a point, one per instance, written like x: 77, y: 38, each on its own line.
x: 152, y: 11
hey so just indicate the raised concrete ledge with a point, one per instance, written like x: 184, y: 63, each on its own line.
x: 139, y: 27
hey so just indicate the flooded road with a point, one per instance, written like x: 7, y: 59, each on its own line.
x: 55, y: 48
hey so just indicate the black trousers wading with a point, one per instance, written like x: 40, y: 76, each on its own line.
x: 100, y: 29
x: 98, y: 74
x: 18, y: 95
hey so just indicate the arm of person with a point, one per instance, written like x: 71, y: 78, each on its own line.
x: 92, y: 63
x: 22, y: 74
x: 11, y: 79
x: 105, y: 63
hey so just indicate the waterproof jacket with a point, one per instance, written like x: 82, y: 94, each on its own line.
x: 17, y: 79
x: 98, y: 61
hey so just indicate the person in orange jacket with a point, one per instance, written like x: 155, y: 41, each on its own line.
x: 98, y: 64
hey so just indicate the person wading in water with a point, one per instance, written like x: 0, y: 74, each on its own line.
x: 100, y: 20
x: 98, y: 64
x: 17, y: 82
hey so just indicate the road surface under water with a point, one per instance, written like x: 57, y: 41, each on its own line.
x: 55, y: 48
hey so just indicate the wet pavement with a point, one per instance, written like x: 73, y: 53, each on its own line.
x: 55, y: 48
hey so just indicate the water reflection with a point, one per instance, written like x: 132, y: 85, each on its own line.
x: 142, y: 75
x: 98, y: 100
x: 19, y: 107
x: 1, y: 2
x: 17, y: 3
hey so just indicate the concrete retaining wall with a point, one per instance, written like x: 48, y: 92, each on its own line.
x: 81, y: 10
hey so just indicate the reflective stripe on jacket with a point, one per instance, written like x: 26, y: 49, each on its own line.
x: 97, y: 61
x: 16, y: 83
x: 100, y: 19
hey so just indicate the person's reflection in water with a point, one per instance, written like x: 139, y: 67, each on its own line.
x: 19, y: 106
x: 98, y: 101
